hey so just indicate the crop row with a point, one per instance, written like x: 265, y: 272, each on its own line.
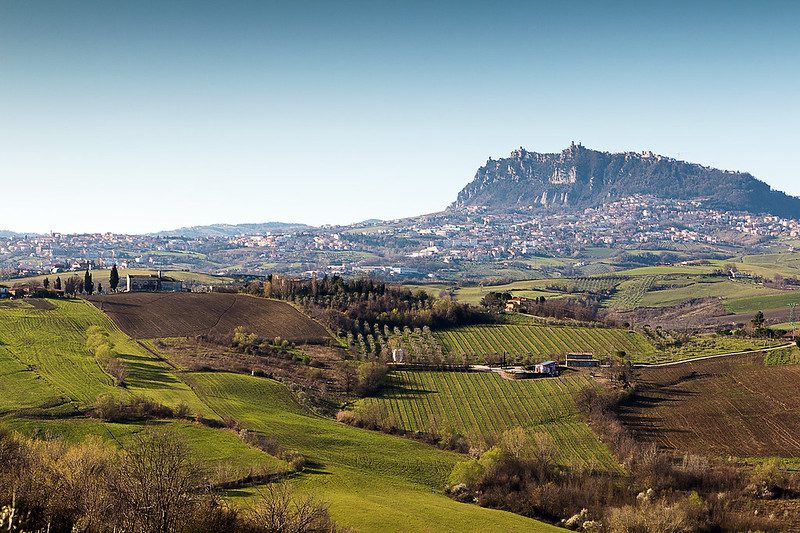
x: 543, y: 340
x: 485, y: 404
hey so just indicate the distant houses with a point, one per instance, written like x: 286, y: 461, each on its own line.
x: 153, y: 283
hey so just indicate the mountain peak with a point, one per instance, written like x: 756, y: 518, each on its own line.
x: 579, y: 176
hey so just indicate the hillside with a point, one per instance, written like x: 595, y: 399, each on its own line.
x: 371, y: 481
x: 734, y: 406
x: 232, y: 230
x: 478, y: 403
x: 156, y: 315
x: 578, y: 176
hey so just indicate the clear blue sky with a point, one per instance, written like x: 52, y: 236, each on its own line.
x: 139, y: 116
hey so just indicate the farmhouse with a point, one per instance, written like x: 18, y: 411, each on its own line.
x: 4, y: 292
x: 515, y: 303
x: 547, y: 368
x: 153, y: 283
x: 577, y: 360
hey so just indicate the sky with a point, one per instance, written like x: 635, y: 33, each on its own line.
x: 143, y: 116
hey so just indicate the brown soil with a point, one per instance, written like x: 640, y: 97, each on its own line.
x: 159, y: 315
x: 733, y: 406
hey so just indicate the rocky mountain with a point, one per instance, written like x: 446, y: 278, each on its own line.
x: 578, y: 176
x: 232, y: 230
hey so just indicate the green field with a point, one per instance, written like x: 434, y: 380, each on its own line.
x: 544, y: 341
x: 102, y: 276
x: 43, y: 357
x: 486, y: 404
x: 372, y: 481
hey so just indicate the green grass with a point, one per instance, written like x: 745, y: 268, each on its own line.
x: 46, y: 350
x: 721, y: 288
x: 701, y: 345
x: 788, y: 356
x: 221, y: 453
x: 371, y: 481
x: 486, y: 404
x: 525, y: 289
x: 762, y: 303
x: 543, y: 341
x: 631, y: 292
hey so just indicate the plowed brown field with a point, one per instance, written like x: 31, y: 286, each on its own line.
x: 158, y: 315
x: 733, y: 406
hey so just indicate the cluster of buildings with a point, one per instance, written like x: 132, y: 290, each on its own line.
x: 415, y: 247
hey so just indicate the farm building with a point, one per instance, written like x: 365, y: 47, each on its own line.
x: 153, y: 283
x: 514, y: 304
x: 4, y: 292
x: 576, y: 360
x: 547, y: 368
x: 398, y: 354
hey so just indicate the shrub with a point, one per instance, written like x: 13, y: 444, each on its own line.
x: 113, y: 409
x: 370, y: 378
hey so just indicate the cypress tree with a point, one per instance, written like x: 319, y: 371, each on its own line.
x: 113, y: 280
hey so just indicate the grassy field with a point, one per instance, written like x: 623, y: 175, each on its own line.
x: 484, y: 403
x: 372, y: 481
x: 102, y: 276
x: 45, y: 349
x: 544, y: 341
x: 705, y: 344
x: 524, y: 289
x: 221, y: 453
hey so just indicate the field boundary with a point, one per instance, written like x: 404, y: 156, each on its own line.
x: 704, y: 357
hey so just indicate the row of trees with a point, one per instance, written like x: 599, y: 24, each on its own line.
x: 75, y: 284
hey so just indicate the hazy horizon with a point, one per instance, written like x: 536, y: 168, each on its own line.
x: 144, y: 117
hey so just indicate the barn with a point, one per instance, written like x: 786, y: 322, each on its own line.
x: 547, y: 368
x: 153, y: 283
x: 581, y: 360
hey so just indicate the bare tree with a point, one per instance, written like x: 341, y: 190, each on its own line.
x: 280, y: 511
x: 158, y: 483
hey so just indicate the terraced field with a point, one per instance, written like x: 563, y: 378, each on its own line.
x: 485, y: 403
x: 544, y: 341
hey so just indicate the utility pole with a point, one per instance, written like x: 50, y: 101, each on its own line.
x: 793, y: 318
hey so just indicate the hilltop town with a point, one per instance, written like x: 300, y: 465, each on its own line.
x: 451, y: 245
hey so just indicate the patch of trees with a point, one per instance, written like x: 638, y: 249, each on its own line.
x: 582, y: 309
x: 343, y: 303
x: 153, y: 486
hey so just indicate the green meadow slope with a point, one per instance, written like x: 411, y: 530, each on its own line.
x: 372, y: 481
x: 484, y: 403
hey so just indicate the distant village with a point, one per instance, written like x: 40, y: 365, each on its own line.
x: 430, y: 246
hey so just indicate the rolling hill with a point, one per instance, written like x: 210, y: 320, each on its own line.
x: 156, y: 315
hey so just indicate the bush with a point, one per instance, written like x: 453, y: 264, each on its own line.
x: 113, y: 409
x: 370, y: 378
